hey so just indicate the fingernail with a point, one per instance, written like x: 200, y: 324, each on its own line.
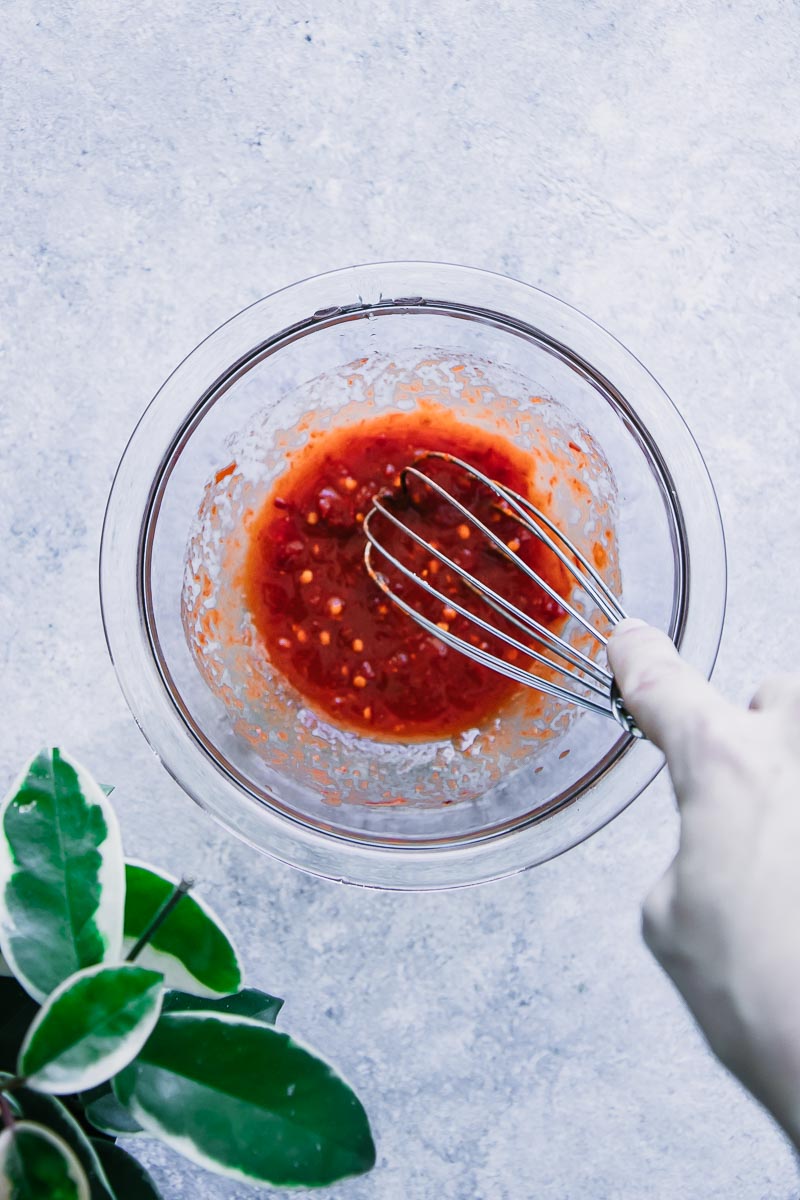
x: 631, y: 623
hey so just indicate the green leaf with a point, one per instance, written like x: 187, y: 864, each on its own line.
x: 90, y: 1028
x: 61, y: 874
x: 36, y: 1106
x: 249, y: 1002
x: 191, y: 948
x: 127, y: 1177
x: 244, y: 1100
x: 35, y: 1164
x: 103, y: 1110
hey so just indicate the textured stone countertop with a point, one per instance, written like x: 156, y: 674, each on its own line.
x: 512, y: 1041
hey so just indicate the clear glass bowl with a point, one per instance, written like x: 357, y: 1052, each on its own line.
x: 230, y: 731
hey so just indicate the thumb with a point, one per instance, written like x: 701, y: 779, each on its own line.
x: 663, y: 693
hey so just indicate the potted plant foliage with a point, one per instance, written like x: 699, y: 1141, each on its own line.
x: 123, y: 1013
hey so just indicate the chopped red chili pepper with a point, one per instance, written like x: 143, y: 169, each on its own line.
x: 353, y: 655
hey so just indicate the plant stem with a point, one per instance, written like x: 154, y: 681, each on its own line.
x: 6, y: 1113
x: 18, y: 1081
x: 177, y: 894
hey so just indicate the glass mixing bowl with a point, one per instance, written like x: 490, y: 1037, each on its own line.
x: 326, y: 351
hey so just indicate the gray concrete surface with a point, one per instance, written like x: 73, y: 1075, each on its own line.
x: 163, y: 166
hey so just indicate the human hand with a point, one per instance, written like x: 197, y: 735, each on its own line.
x: 724, y: 921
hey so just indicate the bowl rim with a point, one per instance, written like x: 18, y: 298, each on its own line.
x: 204, y: 375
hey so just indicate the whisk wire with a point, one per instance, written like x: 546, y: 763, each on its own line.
x: 528, y: 625
x: 595, y: 586
x: 500, y: 545
x: 510, y: 670
x: 580, y: 668
x: 603, y: 677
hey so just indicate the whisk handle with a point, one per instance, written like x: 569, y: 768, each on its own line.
x: 621, y: 714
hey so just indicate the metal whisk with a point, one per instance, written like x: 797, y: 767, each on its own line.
x: 585, y: 682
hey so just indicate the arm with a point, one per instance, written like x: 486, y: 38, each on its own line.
x: 724, y: 921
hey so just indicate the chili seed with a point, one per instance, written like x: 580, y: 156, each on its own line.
x: 358, y: 645
x: 463, y: 532
x: 312, y: 518
x: 325, y: 637
x: 306, y: 576
x: 359, y: 681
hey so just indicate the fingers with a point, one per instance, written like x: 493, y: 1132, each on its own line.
x: 664, y: 694
x: 778, y: 692
x: 657, y: 916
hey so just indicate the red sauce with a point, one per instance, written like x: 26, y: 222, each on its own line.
x: 329, y: 629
